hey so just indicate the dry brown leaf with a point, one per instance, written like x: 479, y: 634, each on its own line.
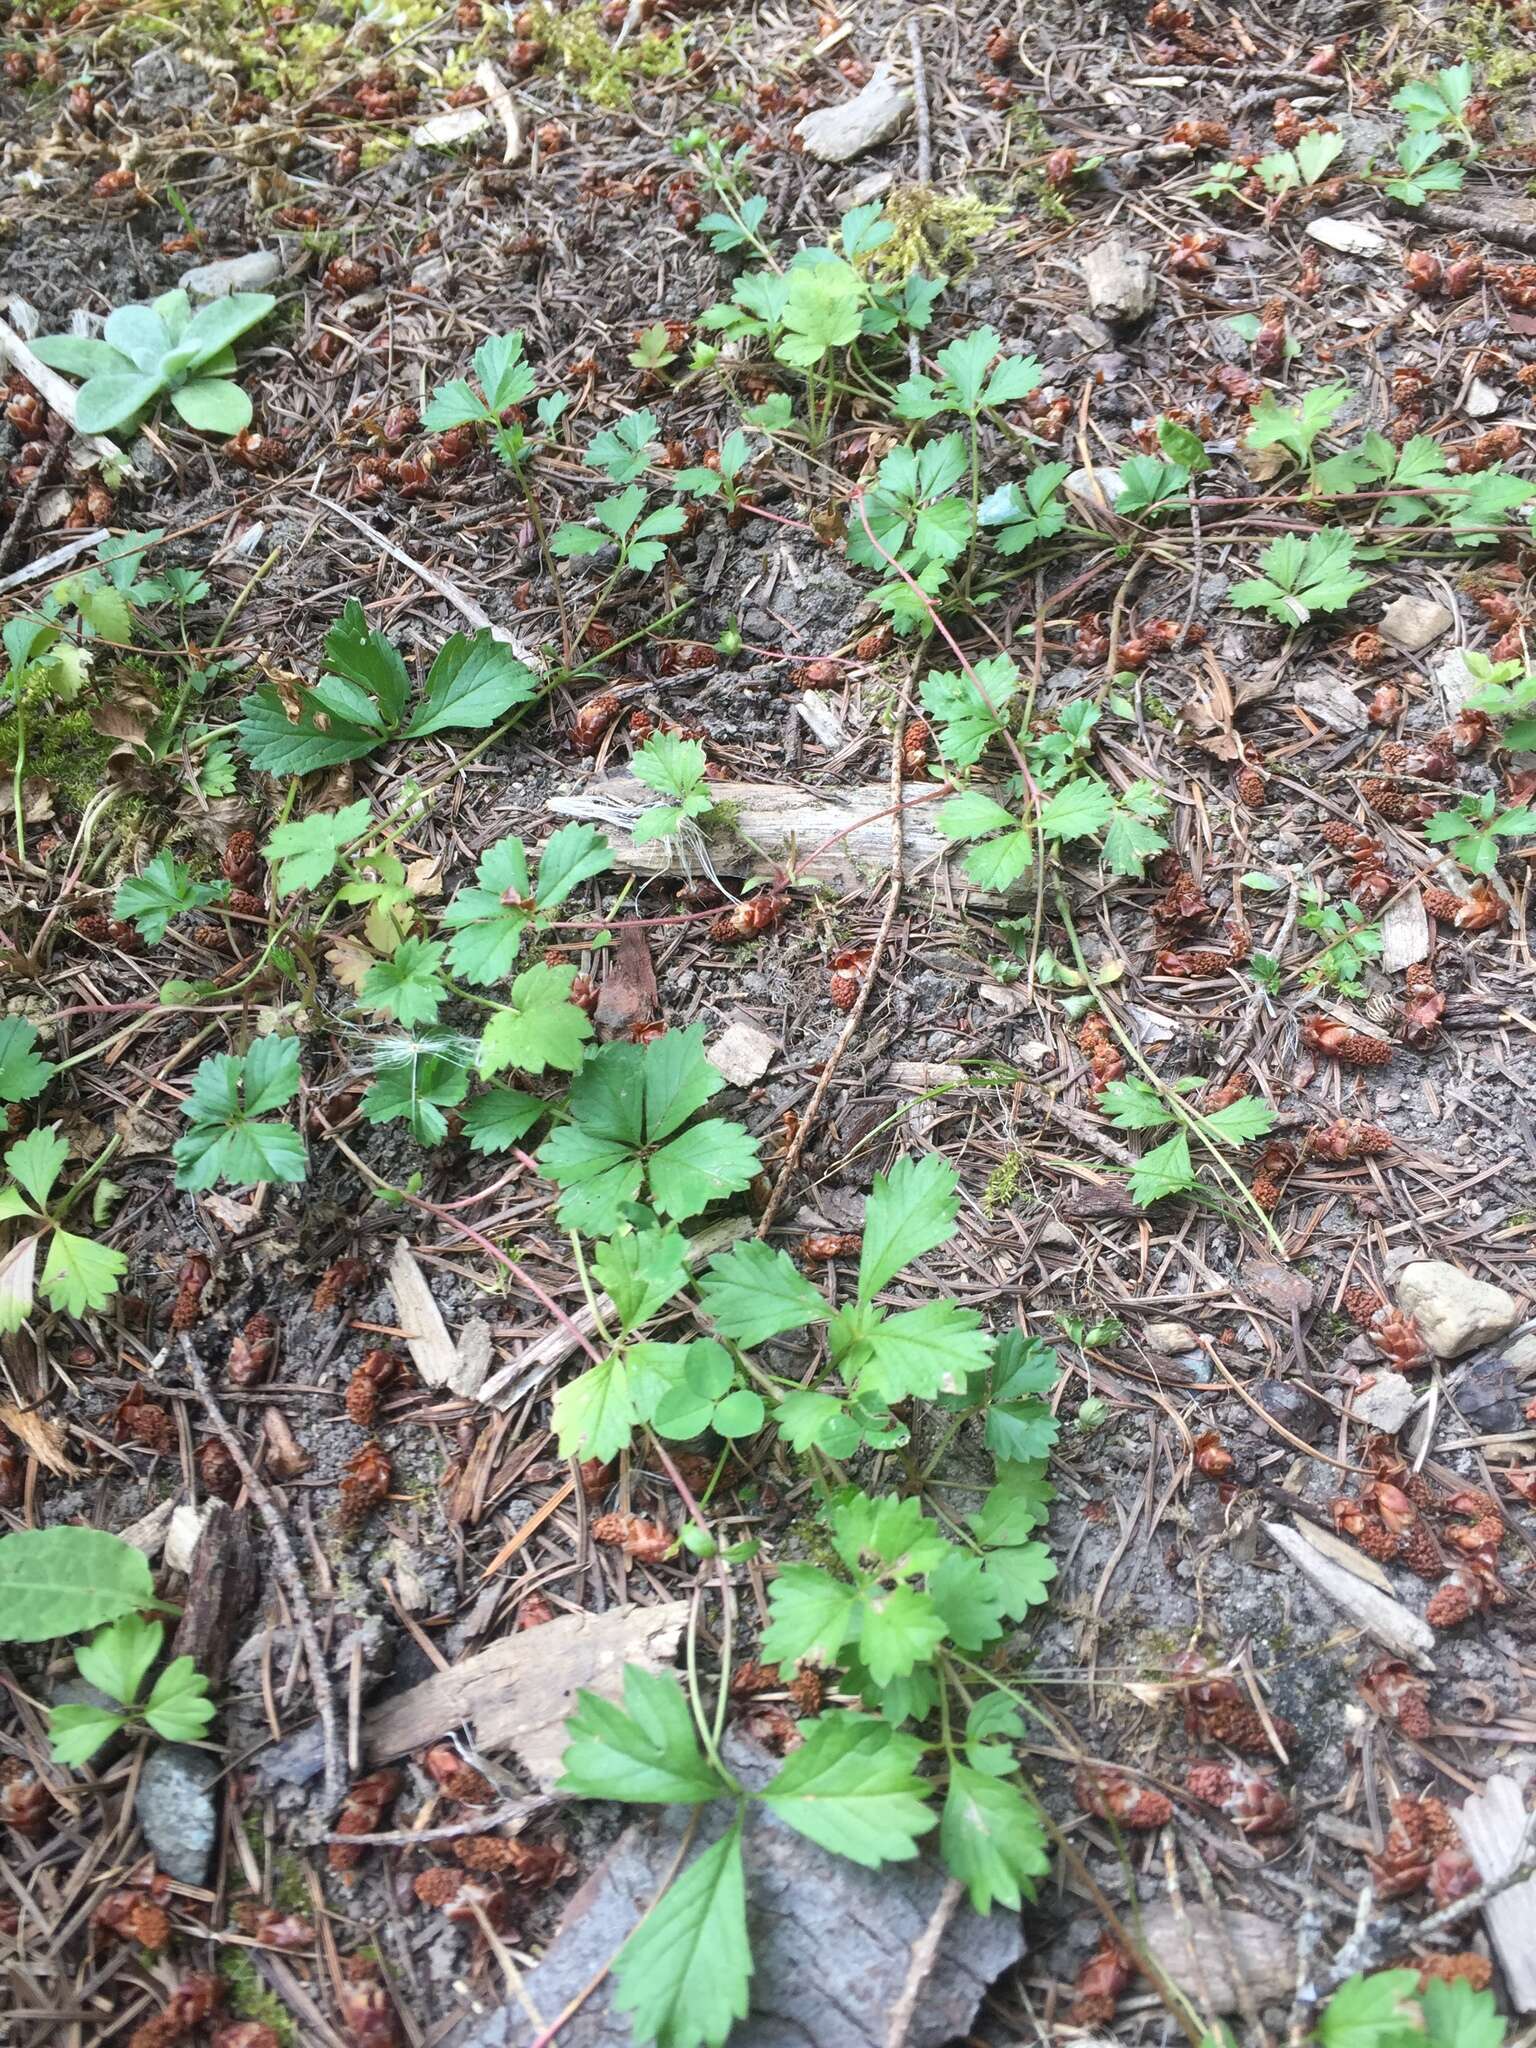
x: 44, y: 1439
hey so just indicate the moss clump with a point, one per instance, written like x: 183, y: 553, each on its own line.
x: 63, y: 749
x: 249, y: 1999
x: 931, y: 231
x: 602, y: 72
x: 1510, y: 67
x: 1003, y: 1184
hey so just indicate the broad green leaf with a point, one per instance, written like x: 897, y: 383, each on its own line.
x: 64, y: 1580
x: 79, y: 1274
x: 112, y: 399
x: 644, y: 1753
x: 117, y: 1660
x: 1135, y: 1106
x: 1238, y: 1122
x: 166, y: 889
x: 1022, y: 1574
x: 852, y: 1787
x: 213, y: 405
x: 899, y: 1628
x: 595, y: 1414
x: 678, y: 1080
x: 1078, y: 809
x: 972, y: 814
x: 359, y: 654
x: 1456, y: 2016
x: 921, y: 1353
x: 501, y: 1118
x: 992, y: 1838
x: 1165, y: 1170
x: 418, y: 1089
x: 1373, y: 2012
x: 809, y: 1615
x: 78, y: 356
x: 222, y: 321
x: 76, y: 1733
x: 539, y: 1027
x: 996, y: 864
x: 271, y: 1073
x: 823, y: 308
x: 571, y: 856
x: 473, y: 682
x: 408, y: 985
x: 279, y: 746
x: 640, y: 1271
x: 684, y: 1973
x: 752, y: 1293
x: 1017, y: 1505
x: 910, y: 1211
x: 21, y: 1070
x: 624, y: 450
x: 36, y: 1161
x: 969, y: 1602
x: 597, y: 1177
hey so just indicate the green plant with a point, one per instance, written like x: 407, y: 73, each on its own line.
x: 725, y: 480
x: 161, y: 346
x: 1389, y: 2009
x: 638, y: 539
x: 1432, y: 105
x: 1507, y: 692
x: 167, y: 888
x: 630, y: 1109
x: 359, y: 704
x: 1353, y: 939
x: 78, y: 1274
x: 117, y: 1661
x: 23, y: 1074
x: 505, y: 381
x: 676, y: 769
x: 1019, y: 516
x: 1297, y: 428
x: 62, y: 1581
x: 1302, y: 577
x: 1306, y: 164
x: 1423, y: 170
x: 1471, y: 833
x: 1168, y: 1169
x: 229, y: 1137
x: 537, y: 1027
x: 489, y: 919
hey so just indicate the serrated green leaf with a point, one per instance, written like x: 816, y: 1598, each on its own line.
x: 75, y: 1733
x: 79, y: 1274
x: 1017, y: 1505
x: 968, y: 1602
x: 417, y: 1090
x: 408, y: 986
x: 644, y: 1753
x: 910, y: 1211
x: 539, y: 1027
x: 684, y: 1973
x: 701, y: 1165
x: 1373, y: 2012
x: 640, y: 1271
x: 899, y: 1628
x: 920, y: 1353
x: 305, y: 853
x: 1135, y: 1106
x: 475, y: 680
x: 1165, y: 1170
x: 1078, y: 809
x: 852, y: 1787
x: 752, y: 1293
x: 1238, y: 1122
x: 501, y: 1118
x: 36, y: 1161
x: 23, y: 1074
x: 117, y: 1660
x: 165, y: 889
x: 809, y: 1615
x: 1456, y: 2016
x: 992, y: 1839
x: 178, y: 1708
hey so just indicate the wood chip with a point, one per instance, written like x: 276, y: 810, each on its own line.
x: 490, y: 82
x: 440, y: 1361
x: 1328, y: 1545
x: 1404, y: 932
x: 1500, y: 1836
x: 1370, y: 1609
x: 42, y: 1438
x: 517, y: 1694
x: 1221, y: 1961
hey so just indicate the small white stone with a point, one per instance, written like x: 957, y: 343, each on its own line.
x: 1455, y: 1311
x: 252, y: 273
x: 456, y: 124
x: 1349, y: 237
x: 1386, y: 1404
x: 1412, y: 622
x: 743, y: 1053
x: 838, y: 134
x: 1330, y: 699
x: 183, y: 1536
x: 1122, y: 285
x: 1095, y: 490
x: 1482, y: 400
x: 1170, y: 1339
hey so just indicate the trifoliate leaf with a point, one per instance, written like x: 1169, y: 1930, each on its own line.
x: 623, y: 451
x: 970, y: 709
x: 500, y: 1118
x: 117, y: 1660
x: 539, y: 1027
x: 79, y: 1274
x: 226, y: 1142
x: 178, y: 1708
x: 407, y: 986
x: 304, y: 854
x: 809, y: 1615
x: 852, y: 1787
x: 166, y: 889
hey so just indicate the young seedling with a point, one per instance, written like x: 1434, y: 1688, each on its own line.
x: 1168, y: 1169
x: 167, y: 888
x: 678, y: 770
x: 506, y: 382
x: 1303, y: 577
x: 117, y: 1661
x: 1471, y: 833
x: 78, y: 1274
x: 1352, y: 940
x: 229, y: 1137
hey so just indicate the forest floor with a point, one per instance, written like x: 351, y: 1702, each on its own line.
x: 1307, y: 1323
